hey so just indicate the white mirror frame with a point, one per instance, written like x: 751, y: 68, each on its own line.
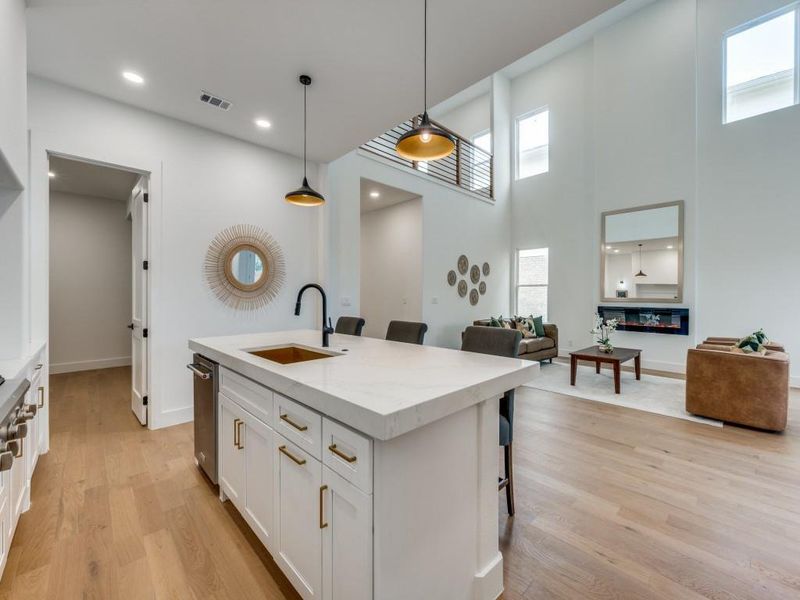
x: 603, y: 297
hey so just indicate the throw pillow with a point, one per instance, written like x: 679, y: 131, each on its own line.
x: 538, y: 326
x: 499, y: 322
x: 526, y: 327
x: 752, y: 344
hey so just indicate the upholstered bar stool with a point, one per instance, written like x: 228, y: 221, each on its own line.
x: 499, y: 342
x: 406, y: 331
x: 349, y: 325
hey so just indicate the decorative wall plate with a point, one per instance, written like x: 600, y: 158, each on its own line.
x: 244, y: 267
x: 475, y: 273
x: 486, y: 269
x: 451, y: 278
x: 463, y: 264
x: 462, y: 288
x: 473, y: 296
x: 482, y: 288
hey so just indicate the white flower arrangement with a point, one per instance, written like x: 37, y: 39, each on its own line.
x: 604, y: 330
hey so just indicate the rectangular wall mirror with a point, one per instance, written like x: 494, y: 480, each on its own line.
x: 641, y: 254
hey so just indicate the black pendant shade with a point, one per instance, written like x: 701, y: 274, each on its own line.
x: 640, y: 273
x: 305, y: 195
x: 426, y: 141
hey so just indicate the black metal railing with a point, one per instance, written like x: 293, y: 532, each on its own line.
x: 468, y: 167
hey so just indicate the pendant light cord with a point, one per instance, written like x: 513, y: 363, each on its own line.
x: 425, y: 57
x: 305, y: 127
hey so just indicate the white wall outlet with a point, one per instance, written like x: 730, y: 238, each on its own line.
x: 405, y: 300
x: 345, y: 301
x: 569, y: 343
x: 435, y: 300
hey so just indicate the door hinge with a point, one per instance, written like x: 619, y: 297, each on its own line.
x: 146, y: 197
x: 145, y: 264
x: 144, y: 332
x: 144, y: 400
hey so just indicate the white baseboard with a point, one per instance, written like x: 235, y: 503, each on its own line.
x: 89, y: 365
x: 794, y: 381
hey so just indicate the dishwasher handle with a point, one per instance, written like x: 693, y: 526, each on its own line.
x: 199, y: 371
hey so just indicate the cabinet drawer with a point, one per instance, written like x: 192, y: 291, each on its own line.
x: 252, y: 396
x: 347, y: 453
x: 299, y: 424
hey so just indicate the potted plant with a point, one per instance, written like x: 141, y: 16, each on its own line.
x: 603, y: 330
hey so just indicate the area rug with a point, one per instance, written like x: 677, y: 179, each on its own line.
x: 659, y: 395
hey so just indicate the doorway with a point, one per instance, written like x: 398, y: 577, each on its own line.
x: 391, y: 256
x: 97, y: 271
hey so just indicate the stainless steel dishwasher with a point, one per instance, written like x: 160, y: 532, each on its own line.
x: 206, y: 386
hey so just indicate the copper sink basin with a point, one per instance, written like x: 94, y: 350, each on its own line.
x: 287, y: 355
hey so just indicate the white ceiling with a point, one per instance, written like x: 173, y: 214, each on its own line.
x: 86, y: 179
x: 365, y: 57
x: 647, y: 246
x: 388, y: 195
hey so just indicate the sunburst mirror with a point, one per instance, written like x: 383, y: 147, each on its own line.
x: 244, y: 267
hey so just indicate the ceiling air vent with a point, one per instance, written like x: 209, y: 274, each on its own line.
x: 213, y: 100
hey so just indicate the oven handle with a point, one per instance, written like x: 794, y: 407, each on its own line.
x: 193, y: 367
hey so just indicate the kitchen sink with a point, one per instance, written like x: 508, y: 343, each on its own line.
x: 290, y: 354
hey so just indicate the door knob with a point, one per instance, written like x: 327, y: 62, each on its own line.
x: 131, y: 326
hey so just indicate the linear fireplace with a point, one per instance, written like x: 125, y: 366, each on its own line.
x: 671, y: 321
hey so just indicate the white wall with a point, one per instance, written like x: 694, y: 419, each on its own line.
x: 201, y: 182
x: 90, y: 283
x: 622, y: 135
x: 454, y: 223
x: 468, y: 119
x: 391, y: 266
x: 13, y: 178
x: 748, y: 182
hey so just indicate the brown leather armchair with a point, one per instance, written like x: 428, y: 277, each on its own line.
x: 747, y: 389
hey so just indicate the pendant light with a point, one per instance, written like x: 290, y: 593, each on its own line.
x: 640, y: 273
x: 304, y: 195
x: 426, y: 141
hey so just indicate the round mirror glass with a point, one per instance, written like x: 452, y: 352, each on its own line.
x: 246, y: 267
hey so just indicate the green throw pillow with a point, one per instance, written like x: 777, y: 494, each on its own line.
x: 538, y: 326
x: 751, y: 344
x: 496, y: 321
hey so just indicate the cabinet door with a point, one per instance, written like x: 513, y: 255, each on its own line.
x: 298, y: 536
x: 347, y: 540
x: 259, y: 457
x: 231, y: 451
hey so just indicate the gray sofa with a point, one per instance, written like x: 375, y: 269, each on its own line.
x: 544, y: 348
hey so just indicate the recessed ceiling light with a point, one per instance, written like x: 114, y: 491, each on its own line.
x: 263, y: 123
x: 669, y: 247
x: 133, y: 77
x: 375, y: 194
x: 616, y: 251
x: 50, y: 174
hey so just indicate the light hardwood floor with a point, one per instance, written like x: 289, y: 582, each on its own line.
x: 611, y: 503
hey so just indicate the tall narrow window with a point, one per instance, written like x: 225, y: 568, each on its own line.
x: 533, y: 143
x: 481, y: 161
x: 761, y: 65
x: 532, y: 282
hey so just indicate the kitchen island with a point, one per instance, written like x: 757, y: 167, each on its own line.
x: 368, y: 469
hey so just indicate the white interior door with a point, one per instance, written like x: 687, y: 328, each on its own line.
x: 138, y: 324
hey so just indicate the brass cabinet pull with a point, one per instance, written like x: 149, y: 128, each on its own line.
x: 236, y: 433
x: 293, y: 424
x: 299, y: 461
x: 342, y: 455
x: 239, y: 431
x: 322, y: 523
x: 41, y: 397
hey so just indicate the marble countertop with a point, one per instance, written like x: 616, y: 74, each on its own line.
x: 383, y: 389
x: 13, y: 367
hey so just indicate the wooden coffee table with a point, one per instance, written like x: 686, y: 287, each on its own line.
x: 615, y: 358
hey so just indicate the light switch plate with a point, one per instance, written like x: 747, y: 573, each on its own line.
x: 345, y: 301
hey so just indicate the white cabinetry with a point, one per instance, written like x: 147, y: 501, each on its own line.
x: 314, y: 518
x: 298, y: 491
x: 346, y: 540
